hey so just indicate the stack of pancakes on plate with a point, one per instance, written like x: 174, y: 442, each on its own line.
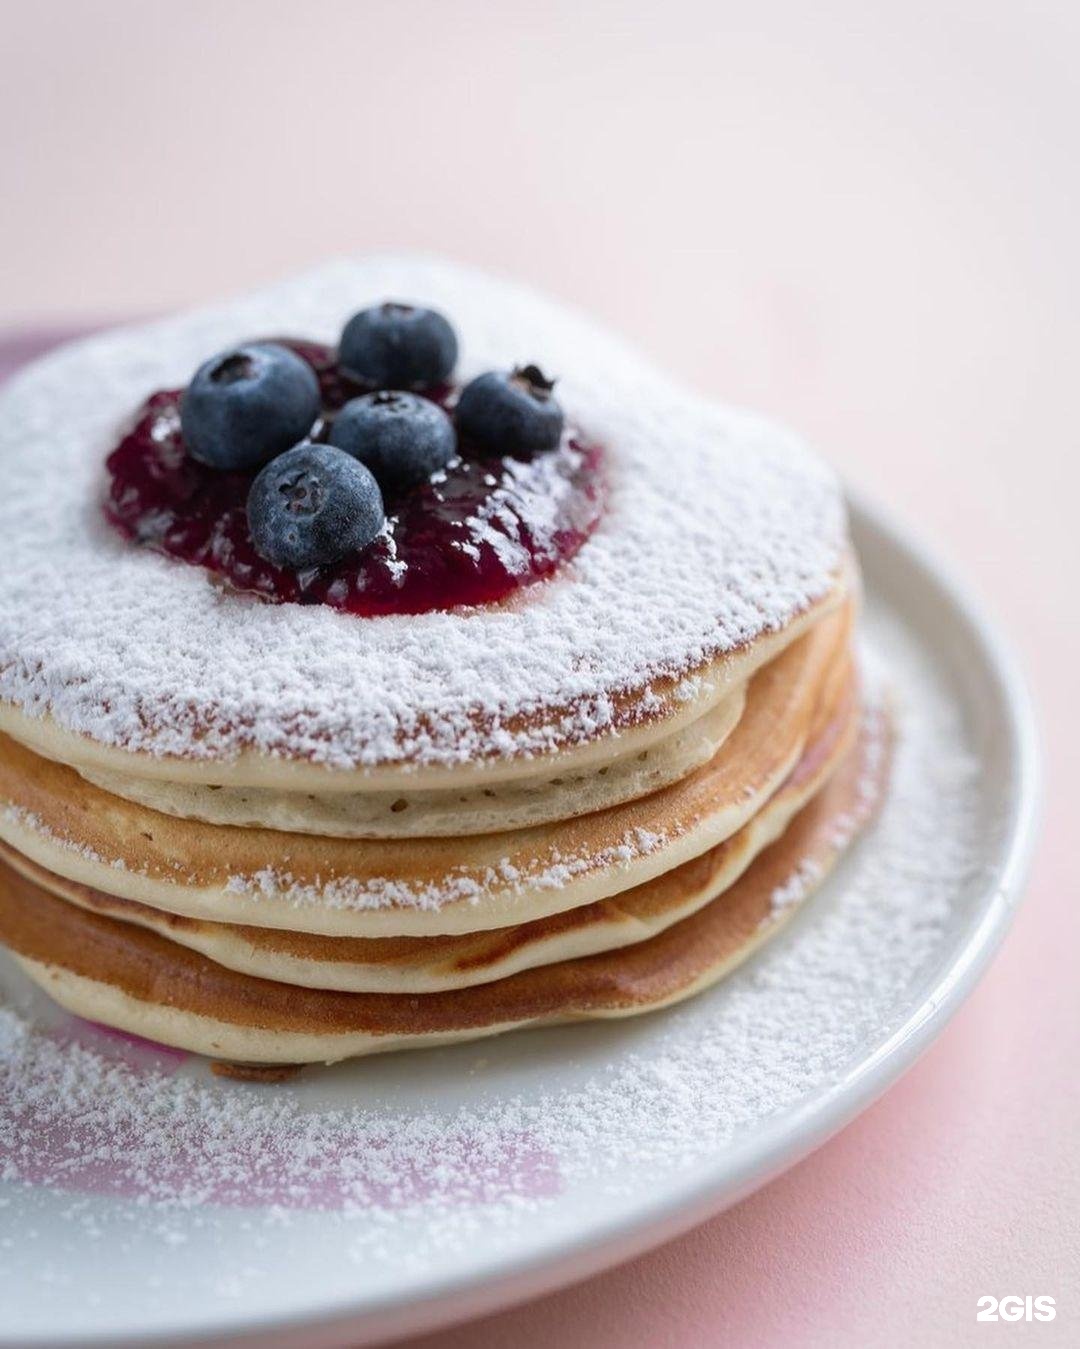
x: 285, y: 875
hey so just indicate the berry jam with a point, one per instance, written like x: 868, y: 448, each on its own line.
x: 479, y: 530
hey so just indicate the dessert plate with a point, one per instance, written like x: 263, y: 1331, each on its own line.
x: 146, y: 1201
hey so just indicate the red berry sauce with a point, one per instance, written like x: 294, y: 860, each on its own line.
x: 477, y: 532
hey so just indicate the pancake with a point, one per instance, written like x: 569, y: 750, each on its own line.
x: 419, y: 887
x: 632, y: 725
x: 432, y: 964
x: 125, y: 976
x: 434, y: 814
x: 721, y: 538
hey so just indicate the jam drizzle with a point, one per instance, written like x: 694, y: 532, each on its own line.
x: 479, y: 530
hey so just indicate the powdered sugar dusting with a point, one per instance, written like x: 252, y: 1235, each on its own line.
x: 499, y: 883
x: 415, y: 1163
x: 798, y: 885
x: 31, y: 821
x: 869, y: 787
x: 720, y: 527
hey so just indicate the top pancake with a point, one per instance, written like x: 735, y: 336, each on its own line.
x: 720, y: 532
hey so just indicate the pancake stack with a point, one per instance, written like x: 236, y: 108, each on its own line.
x: 284, y: 877
x: 203, y: 921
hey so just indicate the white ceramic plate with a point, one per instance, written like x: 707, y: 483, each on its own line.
x: 455, y: 1181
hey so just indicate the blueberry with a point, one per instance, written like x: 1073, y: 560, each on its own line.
x: 398, y: 346
x: 245, y: 405
x: 401, y: 437
x: 312, y: 505
x: 513, y: 413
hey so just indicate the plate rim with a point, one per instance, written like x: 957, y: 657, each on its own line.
x: 765, y: 1152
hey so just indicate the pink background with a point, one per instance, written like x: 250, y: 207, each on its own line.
x: 860, y: 217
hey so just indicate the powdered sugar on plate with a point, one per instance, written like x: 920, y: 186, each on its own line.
x: 720, y: 527
x: 390, y: 1174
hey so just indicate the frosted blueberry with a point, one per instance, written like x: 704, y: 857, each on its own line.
x: 312, y: 505
x: 248, y: 404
